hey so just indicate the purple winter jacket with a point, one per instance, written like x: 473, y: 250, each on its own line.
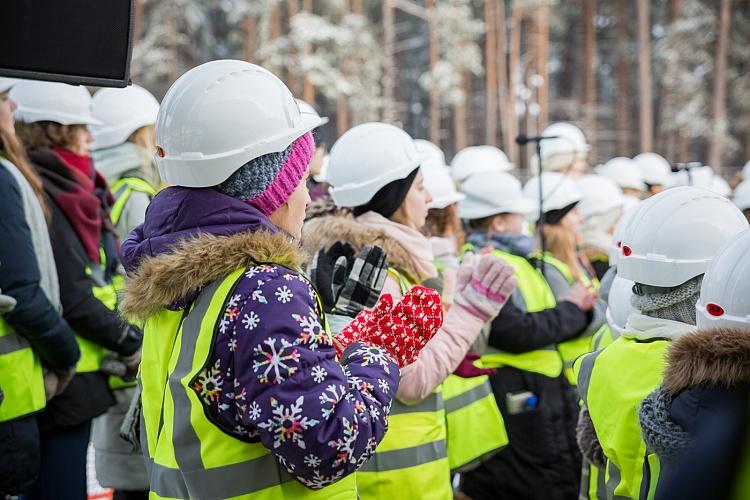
x: 273, y: 376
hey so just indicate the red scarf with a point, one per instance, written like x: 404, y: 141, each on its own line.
x: 85, y: 200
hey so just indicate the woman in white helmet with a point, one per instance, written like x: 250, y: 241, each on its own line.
x: 245, y: 393
x: 538, y: 404
x: 39, y: 350
x: 667, y: 247
x: 566, y: 152
x: 697, y: 419
x: 741, y: 197
x: 564, y: 267
x: 601, y: 209
x: 626, y: 174
x: 655, y: 171
x: 52, y: 122
x: 123, y: 149
x: 374, y: 171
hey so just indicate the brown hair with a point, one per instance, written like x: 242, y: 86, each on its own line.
x: 13, y: 150
x: 444, y: 220
x: 562, y: 243
x: 47, y: 134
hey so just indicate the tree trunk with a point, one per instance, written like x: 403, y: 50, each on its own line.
x: 672, y: 136
x: 502, y: 75
x: 342, y: 109
x: 308, y: 89
x: 490, y: 73
x: 435, y: 117
x: 589, y: 72
x: 292, y: 82
x: 644, y: 77
x: 389, y: 66
x: 514, y: 80
x: 719, y: 110
x: 542, y: 59
x: 249, y: 26
x: 138, y: 21
x: 623, y: 80
x: 460, y: 135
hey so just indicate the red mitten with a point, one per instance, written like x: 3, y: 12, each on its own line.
x: 409, y: 325
x: 467, y: 369
x: 363, y: 324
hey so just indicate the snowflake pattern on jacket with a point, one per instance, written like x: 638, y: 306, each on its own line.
x: 273, y: 377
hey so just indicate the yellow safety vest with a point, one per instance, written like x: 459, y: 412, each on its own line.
x: 412, y: 459
x: 188, y: 456
x: 537, y: 296
x: 104, y: 290
x: 613, y: 383
x: 21, y: 378
x: 122, y: 189
x: 572, y: 349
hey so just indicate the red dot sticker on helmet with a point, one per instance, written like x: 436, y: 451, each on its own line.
x: 715, y: 309
x: 626, y: 251
x: 160, y: 152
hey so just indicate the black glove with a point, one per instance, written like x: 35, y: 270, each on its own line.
x: 322, y: 274
x: 347, y: 284
x: 364, y: 281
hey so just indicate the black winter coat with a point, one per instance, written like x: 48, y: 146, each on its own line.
x: 542, y: 458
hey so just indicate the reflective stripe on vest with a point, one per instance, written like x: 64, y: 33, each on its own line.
x: 572, y: 349
x: 613, y: 383
x: 537, y: 296
x: 593, y: 485
x: 187, y: 455
x: 476, y: 429
x: 122, y: 189
x: 411, y: 461
x: 21, y: 377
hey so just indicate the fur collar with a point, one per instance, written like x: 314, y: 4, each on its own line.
x: 169, y: 277
x: 717, y: 356
x: 323, y: 232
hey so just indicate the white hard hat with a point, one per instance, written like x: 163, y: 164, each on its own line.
x: 746, y: 171
x: 433, y: 155
x: 673, y: 236
x: 600, y: 195
x: 619, y: 233
x: 321, y: 176
x: 741, y: 196
x: 305, y: 107
x: 618, y: 304
x: 122, y: 112
x: 624, y: 171
x: 475, y: 159
x: 439, y: 184
x: 220, y: 115
x: 366, y: 158
x: 53, y: 102
x: 655, y: 170
x: 720, y: 186
x: 7, y: 83
x: 492, y: 193
x: 558, y: 192
x: 725, y: 291
x: 569, y: 146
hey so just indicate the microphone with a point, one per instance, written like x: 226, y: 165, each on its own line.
x: 525, y: 139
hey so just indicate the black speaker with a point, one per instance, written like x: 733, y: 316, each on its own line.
x: 86, y: 42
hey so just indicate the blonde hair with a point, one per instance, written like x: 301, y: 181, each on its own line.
x: 562, y: 243
x: 145, y: 139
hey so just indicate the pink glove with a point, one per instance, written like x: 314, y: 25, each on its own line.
x: 467, y: 369
x: 484, y: 285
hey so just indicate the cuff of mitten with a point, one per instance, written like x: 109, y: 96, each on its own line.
x: 588, y: 442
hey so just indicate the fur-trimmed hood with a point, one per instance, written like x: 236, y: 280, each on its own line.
x: 323, y: 232
x: 717, y: 356
x: 168, y: 278
x: 190, y: 238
